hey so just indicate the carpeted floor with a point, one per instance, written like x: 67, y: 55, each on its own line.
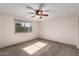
x: 39, y: 47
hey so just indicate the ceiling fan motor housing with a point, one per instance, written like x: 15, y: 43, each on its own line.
x: 39, y: 12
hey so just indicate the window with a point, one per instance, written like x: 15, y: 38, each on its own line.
x: 23, y: 26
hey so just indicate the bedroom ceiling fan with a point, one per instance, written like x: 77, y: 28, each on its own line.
x: 39, y: 13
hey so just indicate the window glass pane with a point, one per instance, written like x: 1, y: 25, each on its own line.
x: 23, y: 26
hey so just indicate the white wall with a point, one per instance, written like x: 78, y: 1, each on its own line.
x: 63, y: 29
x: 7, y: 31
x: 78, y: 34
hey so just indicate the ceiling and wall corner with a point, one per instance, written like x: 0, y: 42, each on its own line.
x: 61, y: 16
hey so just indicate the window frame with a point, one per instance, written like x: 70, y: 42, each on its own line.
x: 28, y: 31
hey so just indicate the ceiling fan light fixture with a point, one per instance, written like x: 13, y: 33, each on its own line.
x: 38, y: 17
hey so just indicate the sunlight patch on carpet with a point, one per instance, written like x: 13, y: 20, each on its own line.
x: 35, y: 47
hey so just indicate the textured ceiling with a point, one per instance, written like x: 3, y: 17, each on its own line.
x: 56, y: 10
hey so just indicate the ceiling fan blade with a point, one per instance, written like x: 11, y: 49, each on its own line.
x: 30, y: 13
x: 30, y: 7
x: 41, y: 6
x: 47, y: 10
x: 44, y: 14
x: 33, y: 16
